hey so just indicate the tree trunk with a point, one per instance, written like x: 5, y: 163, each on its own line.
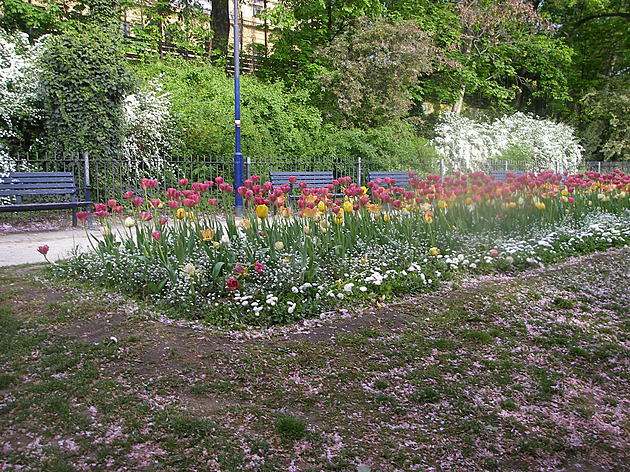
x: 458, y: 107
x: 220, y: 27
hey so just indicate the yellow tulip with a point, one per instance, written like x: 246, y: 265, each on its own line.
x: 442, y: 204
x: 285, y: 212
x: 540, y: 205
x: 512, y: 205
x: 386, y: 218
x: 347, y: 207
x: 262, y: 211
x: 434, y: 251
x: 181, y: 213
x: 321, y: 206
x: 207, y: 234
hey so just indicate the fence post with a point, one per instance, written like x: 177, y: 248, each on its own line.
x: 359, y: 171
x: 599, y: 167
x: 248, y: 163
x: 88, y: 188
x: 442, y: 168
x: 86, y: 171
x: 506, y: 165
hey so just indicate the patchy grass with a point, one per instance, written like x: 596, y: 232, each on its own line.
x: 495, y: 373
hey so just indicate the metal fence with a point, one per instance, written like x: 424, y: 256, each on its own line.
x: 110, y: 177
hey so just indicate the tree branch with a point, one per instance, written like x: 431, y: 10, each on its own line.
x: 594, y: 17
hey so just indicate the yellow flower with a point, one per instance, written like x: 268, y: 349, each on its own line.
x: 512, y: 205
x: 309, y: 212
x: 181, y: 213
x: 321, y: 206
x: 373, y: 208
x: 540, y: 205
x: 386, y: 218
x: 262, y: 211
x: 434, y: 251
x: 216, y: 244
x: 207, y: 234
x: 469, y: 201
x: 565, y: 192
x: 339, y: 218
x: 442, y: 204
x: 347, y: 206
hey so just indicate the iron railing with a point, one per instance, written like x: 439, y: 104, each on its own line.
x: 110, y: 177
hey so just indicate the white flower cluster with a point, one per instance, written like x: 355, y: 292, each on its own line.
x: 149, y: 133
x: 467, y: 145
x: 19, y: 79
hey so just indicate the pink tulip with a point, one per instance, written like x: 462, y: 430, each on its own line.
x: 232, y: 283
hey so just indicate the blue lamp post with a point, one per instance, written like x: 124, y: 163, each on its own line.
x: 238, y: 155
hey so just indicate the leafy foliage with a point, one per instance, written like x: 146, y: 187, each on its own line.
x: 84, y: 82
x: 372, y: 66
x: 610, y: 107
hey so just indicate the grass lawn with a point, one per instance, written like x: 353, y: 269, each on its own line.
x: 522, y: 373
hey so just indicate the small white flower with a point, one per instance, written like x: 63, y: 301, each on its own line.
x: 189, y: 269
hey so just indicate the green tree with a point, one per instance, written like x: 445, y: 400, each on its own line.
x: 32, y: 19
x: 191, y: 33
x: 506, y: 50
x: 609, y: 110
x: 84, y: 81
x: 371, y: 70
x: 300, y: 27
x: 221, y: 27
x: 597, y: 33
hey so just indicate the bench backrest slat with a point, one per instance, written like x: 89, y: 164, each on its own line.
x: 37, y: 183
x: 401, y: 178
x: 312, y: 179
x: 501, y: 175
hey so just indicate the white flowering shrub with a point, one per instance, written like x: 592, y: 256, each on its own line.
x: 149, y: 135
x: 19, y: 78
x: 468, y: 145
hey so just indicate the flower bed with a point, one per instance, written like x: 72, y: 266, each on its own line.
x: 277, y: 264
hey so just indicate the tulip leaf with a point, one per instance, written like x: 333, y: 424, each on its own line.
x: 216, y: 270
x: 156, y: 288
